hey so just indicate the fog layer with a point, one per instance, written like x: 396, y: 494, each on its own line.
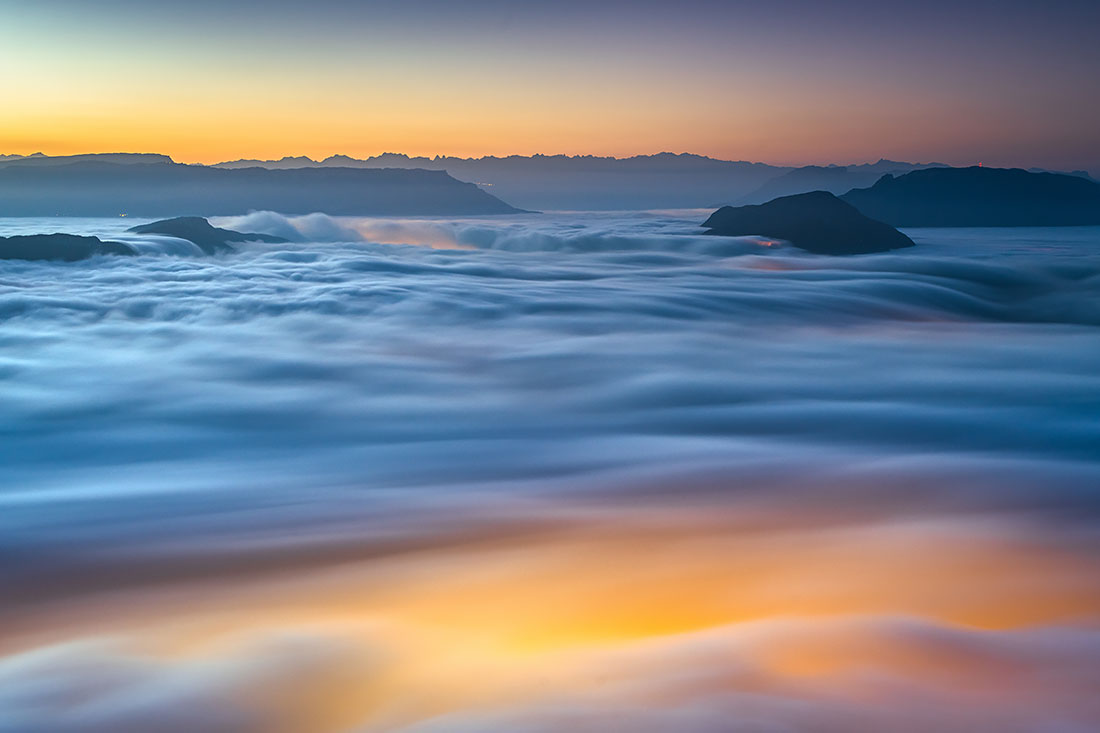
x: 549, y: 472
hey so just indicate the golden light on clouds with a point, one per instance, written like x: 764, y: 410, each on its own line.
x: 519, y: 619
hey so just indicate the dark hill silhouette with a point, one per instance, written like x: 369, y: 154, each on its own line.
x: 67, y: 247
x: 199, y: 231
x: 92, y: 187
x: 817, y: 222
x: 832, y: 178
x: 973, y: 197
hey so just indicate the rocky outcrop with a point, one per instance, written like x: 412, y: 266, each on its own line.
x: 210, y: 239
x: 817, y: 222
x: 65, y: 247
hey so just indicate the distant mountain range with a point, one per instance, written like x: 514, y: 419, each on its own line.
x: 154, y: 186
x: 583, y: 182
x: 586, y: 182
x: 38, y: 159
x: 664, y: 180
x: 900, y: 193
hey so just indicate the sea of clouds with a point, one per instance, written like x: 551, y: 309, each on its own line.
x: 1018, y: 682
x: 380, y: 386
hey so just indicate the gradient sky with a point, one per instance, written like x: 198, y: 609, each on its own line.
x: 1005, y: 83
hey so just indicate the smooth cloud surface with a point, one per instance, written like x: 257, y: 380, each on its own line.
x: 550, y: 472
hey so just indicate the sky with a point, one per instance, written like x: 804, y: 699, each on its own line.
x: 786, y: 82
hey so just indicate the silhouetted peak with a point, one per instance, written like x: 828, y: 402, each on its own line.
x: 816, y: 221
x: 339, y: 158
x: 199, y: 231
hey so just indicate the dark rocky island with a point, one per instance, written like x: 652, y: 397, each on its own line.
x: 72, y: 247
x: 199, y: 231
x: 817, y: 222
x: 975, y: 197
x: 65, y: 247
x: 153, y: 186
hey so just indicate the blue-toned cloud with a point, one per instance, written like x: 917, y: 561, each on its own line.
x: 291, y: 412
